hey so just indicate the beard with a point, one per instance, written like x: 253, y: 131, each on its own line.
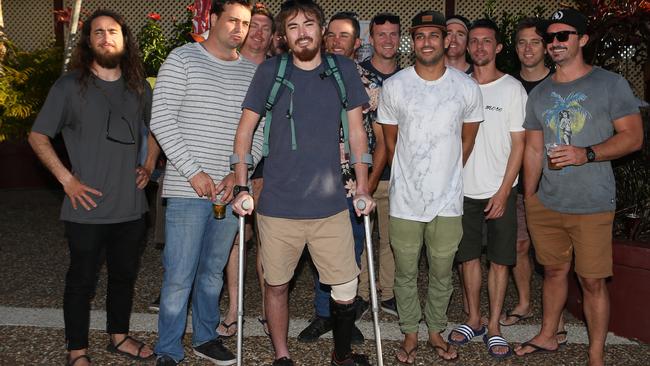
x: 431, y: 61
x: 108, y: 60
x: 305, y: 54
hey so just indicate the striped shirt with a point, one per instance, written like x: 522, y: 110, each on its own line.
x: 195, y: 113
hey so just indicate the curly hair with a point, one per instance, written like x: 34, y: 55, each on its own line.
x: 130, y: 64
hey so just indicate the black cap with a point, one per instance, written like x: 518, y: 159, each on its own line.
x: 429, y: 18
x: 570, y: 17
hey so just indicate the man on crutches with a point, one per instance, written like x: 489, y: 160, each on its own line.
x: 303, y: 201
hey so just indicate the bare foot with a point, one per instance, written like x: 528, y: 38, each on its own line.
x: 227, y: 329
x: 407, y: 352
x: 443, y: 349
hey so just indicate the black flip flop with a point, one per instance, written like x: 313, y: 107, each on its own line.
x: 519, y: 317
x: 536, y: 349
x: 408, y: 356
x: 228, y: 326
x: 265, y: 325
x: 115, y: 348
x: 436, y: 348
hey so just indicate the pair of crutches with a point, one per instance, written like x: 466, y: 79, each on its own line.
x: 371, y: 273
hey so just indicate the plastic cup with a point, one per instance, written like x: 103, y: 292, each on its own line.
x: 550, y: 147
x: 219, y: 209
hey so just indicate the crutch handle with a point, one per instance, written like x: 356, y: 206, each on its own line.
x: 246, y: 204
x: 361, y: 204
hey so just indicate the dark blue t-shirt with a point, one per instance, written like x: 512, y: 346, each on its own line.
x: 304, y: 183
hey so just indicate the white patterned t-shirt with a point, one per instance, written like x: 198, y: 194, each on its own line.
x: 426, y: 178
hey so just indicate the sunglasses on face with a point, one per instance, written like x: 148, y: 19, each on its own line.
x: 561, y: 36
x: 383, y: 18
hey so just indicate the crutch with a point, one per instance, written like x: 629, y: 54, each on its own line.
x: 240, y: 283
x: 361, y: 204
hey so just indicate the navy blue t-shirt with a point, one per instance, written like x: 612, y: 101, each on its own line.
x: 304, y: 183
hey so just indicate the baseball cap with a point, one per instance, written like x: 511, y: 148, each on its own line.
x: 429, y: 18
x: 458, y: 19
x: 570, y: 17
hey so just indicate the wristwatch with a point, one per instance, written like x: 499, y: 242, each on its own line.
x: 591, y: 155
x: 237, y: 189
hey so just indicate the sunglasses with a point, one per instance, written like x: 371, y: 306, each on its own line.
x: 561, y: 36
x: 112, y: 133
x: 383, y: 18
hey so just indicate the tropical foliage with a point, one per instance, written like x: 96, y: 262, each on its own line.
x: 25, y: 82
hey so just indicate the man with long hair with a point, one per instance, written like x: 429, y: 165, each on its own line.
x: 101, y: 108
x: 196, y: 107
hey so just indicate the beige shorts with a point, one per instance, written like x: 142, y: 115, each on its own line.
x: 557, y: 236
x: 330, y: 243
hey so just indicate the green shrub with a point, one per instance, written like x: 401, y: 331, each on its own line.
x: 25, y: 81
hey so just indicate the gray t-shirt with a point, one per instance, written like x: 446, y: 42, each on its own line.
x: 579, y: 113
x: 304, y: 183
x: 83, y: 116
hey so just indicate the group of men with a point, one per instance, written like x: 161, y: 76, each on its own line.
x: 442, y: 141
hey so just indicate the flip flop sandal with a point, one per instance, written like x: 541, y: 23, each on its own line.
x: 518, y: 317
x: 227, y: 326
x: 265, y: 325
x: 565, y: 334
x: 70, y: 362
x: 115, y: 348
x: 467, y: 332
x: 497, y: 341
x: 443, y: 349
x: 408, y: 354
x: 536, y: 349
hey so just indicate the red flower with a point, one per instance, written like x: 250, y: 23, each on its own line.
x: 191, y: 8
x: 154, y: 16
x: 63, y: 16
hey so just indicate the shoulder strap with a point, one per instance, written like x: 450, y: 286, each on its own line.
x: 332, y: 69
x: 283, y: 71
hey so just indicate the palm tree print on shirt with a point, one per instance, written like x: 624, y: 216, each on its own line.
x: 567, y: 116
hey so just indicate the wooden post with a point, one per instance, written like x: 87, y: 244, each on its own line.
x: 450, y: 7
x: 74, y: 22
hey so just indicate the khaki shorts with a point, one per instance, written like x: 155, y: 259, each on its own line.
x: 556, y: 236
x: 330, y: 242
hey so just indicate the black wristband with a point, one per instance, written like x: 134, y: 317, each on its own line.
x: 237, y: 189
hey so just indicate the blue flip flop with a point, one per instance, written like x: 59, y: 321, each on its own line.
x: 497, y: 341
x: 467, y: 332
